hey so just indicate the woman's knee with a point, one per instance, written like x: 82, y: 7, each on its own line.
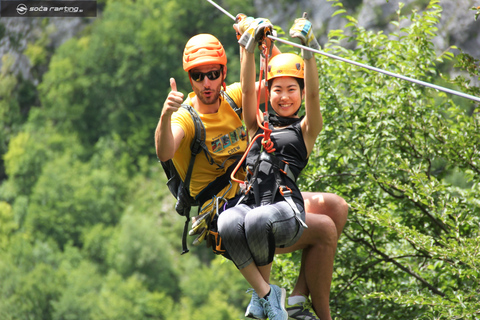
x: 321, y: 229
x: 328, y: 204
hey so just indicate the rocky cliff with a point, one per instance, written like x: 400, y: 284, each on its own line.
x: 457, y: 26
x: 17, y: 33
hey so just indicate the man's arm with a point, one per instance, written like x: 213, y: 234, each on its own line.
x: 168, y: 137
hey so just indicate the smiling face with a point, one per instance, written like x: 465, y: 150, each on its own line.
x: 285, y: 96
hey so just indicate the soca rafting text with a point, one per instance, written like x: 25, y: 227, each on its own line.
x: 48, y: 8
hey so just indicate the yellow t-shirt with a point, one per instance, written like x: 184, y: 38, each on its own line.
x: 225, y: 136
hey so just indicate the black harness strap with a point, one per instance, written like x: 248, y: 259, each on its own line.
x: 216, y: 185
x: 232, y: 104
x: 184, y: 200
x: 278, y: 168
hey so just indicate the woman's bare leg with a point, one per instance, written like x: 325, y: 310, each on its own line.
x: 326, y: 216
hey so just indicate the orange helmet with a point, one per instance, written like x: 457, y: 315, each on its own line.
x: 285, y: 65
x: 203, y: 49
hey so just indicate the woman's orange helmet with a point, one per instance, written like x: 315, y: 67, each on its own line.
x: 285, y: 65
x: 203, y: 49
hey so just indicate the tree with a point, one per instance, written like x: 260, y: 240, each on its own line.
x: 9, y: 107
x: 29, y: 280
x: 124, y: 90
x: 7, y: 224
x: 71, y: 196
x: 87, y: 226
x: 410, y: 249
x: 137, y: 248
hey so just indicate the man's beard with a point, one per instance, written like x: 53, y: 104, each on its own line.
x: 213, y: 98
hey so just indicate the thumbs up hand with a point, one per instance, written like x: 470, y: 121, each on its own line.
x: 174, y: 99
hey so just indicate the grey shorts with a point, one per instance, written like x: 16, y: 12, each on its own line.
x: 252, y: 234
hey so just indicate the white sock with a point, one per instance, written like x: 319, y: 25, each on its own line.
x: 296, y: 300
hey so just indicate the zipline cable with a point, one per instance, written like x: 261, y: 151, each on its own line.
x: 388, y: 73
x: 221, y: 9
x: 423, y: 83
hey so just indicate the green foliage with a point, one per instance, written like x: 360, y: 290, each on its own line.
x: 9, y: 107
x: 28, y: 278
x: 71, y: 196
x: 88, y: 228
x: 221, y: 311
x: 410, y: 249
x: 7, y: 224
x: 80, y: 296
x: 225, y: 278
x: 139, y: 249
x: 89, y: 295
x: 28, y: 151
x: 123, y: 90
x: 224, y: 290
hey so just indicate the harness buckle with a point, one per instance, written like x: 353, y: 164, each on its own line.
x: 285, y: 191
x: 286, y: 168
x: 217, y: 245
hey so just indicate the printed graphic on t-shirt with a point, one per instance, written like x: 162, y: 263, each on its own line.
x: 217, y: 146
x: 242, y: 133
x: 226, y: 141
x: 234, y: 136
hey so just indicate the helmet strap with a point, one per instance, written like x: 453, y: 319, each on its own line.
x: 279, y: 121
x: 223, y: 75
x: 296, y: 112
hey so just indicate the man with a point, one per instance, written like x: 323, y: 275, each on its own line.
x: 206, y: 63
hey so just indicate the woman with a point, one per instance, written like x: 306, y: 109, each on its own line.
x: 271, y: 215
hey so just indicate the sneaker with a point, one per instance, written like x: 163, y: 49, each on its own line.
x: 254, y: 308
x: 301, y: 311
x: 274, y: 305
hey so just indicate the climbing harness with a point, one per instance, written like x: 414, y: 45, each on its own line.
x: 180, y: 188
x: 281, y: 169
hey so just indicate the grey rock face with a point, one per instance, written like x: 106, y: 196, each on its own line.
x: 19, y: 32
x: 457, y: 25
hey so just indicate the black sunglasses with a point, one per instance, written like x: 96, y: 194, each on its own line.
x: 211, y: 75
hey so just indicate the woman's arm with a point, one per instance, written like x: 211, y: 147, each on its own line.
x: 249, y: 92
x: 312, y: 124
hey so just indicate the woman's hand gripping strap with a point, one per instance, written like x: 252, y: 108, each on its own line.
x: 255, y: 32
x: 303, y: 30
x: 265, y: 54
x: 266, y: 28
